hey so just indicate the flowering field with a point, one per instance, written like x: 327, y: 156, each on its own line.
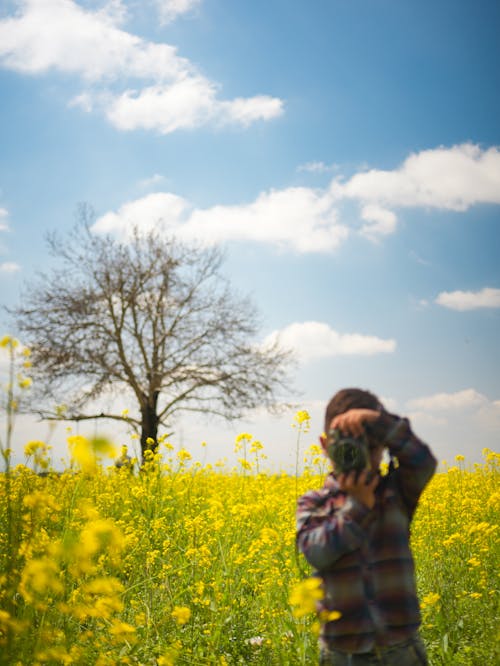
x: 184, y: 564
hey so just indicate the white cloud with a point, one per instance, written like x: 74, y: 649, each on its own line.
x: 247, y: 110
x: 470, y: 300
x: 390, y: 404
x: 169, y: 10
x: 442, y: 402
x: 453, y: 179
x: 84, y: 101
x: 155, y: 180
x: 184, y: 104
x: 4, y: 214
x: 450, y: 178
x: 9, y: 267
x: 489, y: 416
x: 159, y: 210
x: 317, y: 167
x: 61, y: 35
x: 170, y: 93
x: 300, y: 219
x: 381, y: 221
x: 470, y: 416
x: 421, y: 419
x: 312, y: 340
x: 303, y: 219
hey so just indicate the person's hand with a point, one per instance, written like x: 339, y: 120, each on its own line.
x: 358, y: 486
x: 353, y: 421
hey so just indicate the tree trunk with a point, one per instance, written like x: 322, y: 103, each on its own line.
x: 149, y: 426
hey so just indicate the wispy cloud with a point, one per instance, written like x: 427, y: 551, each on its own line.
x: 442, y: 402
x: 470, y: 300
x: 468, y: 408
x: 420, y: 260
x: 169, y: 10
x: 317, y: 167
x: 4, y: 215
x: 312, y: 340
x: 9, y: 267
x: 153, y: 181
x: 135, y: 83
x: 378, y: 221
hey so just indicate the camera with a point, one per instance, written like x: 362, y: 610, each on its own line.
x: 348, y: 453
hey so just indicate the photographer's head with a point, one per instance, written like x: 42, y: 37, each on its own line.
x: 350, y: 398
x: 348, y: 439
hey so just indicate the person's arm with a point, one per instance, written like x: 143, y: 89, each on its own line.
x: 323, y: 537
x: 416, y: 463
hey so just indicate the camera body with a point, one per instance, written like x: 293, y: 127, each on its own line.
x: 348, y: 453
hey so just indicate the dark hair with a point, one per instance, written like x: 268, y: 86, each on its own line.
x: 350, y: 398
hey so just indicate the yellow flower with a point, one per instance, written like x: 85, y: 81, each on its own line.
x: 384, y: 468
x: 241, y: 441
x: 87, y: 453
x: 245, y: 464
x: 99, y: 598
x: 330, y: 616
x: 39, y: 580
x: 41, y: 502
x: 430, y: 599
x: 256, y: 446
x: 33, y: 446
x: 81, y: 452
x: 122, y: 631
x: 24, y: 382
x: 55, y: 654
x: 103, y: 447
x: 101, y: 535
x: 181, y: 614
x: 302, y: 416
x: 8, y: 341
x: 243, y: 436
x: 183, y: 455
x: 61, y: 410
x: 305, y: 595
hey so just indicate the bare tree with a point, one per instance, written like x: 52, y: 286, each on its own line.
x: 150, y: 315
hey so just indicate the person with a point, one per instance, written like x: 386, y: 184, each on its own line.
x: 355, y: 533
x: 124, y: 461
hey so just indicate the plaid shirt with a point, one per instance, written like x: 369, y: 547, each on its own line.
x: 363, y: 556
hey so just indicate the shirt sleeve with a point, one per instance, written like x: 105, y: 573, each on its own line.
x: 415, y: 461
x: 324, y: 536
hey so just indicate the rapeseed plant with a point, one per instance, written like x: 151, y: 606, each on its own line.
x: 190, y: 564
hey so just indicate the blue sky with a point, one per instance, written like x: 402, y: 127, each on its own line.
x: 345, y: 153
